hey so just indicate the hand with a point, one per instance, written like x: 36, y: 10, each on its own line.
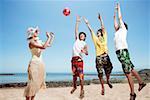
x: 52, y: 34
x: 99, y: 16
x: 115, y: 14
x: 85, y: 50
x: 78, y: 19
x: 48, y: 35
x: 85, y: 20
x: 117, y: 6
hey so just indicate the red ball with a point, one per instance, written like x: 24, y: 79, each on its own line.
x: 66, y: 11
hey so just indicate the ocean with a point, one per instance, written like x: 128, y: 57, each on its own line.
x: 23, y: 77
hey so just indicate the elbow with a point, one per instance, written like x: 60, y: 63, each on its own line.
x: 120, y: 17
x: 44, y: 47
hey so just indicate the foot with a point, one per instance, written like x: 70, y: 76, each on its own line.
x: 102, y: 92
x: 110, y: 85
x: 141, y: 86
x: 132, y: 96
x: 82, y: 94
x: 73, y: 90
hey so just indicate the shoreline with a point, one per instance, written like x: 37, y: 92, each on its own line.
x: 145, y: 75
x: 54, y: 84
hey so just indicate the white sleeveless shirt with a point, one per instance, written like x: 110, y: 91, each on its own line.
x: 120, y: 39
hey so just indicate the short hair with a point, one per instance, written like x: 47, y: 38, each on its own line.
x: 100, y: 30
x: 126, y: 25
x: 83, y: 34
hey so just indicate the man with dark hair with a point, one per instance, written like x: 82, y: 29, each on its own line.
x: 102, y: 58
x: 79, y: 48
x: 123, y: 54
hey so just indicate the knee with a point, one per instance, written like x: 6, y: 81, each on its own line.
x: 100, y: 75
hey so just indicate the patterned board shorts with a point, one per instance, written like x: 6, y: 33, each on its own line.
x: 105, y: 63
x: 124, y: 58
x: 77, y: 67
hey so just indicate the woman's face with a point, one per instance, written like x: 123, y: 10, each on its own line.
x: 36, y: 33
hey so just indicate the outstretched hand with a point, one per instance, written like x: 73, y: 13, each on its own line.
x: 85, y: 20
x: 99, y: 16
x: 117, y: 6
x: 78, y: 18
x: 48, y: 35
x: 52, y: 34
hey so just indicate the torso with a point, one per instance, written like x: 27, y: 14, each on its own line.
x: 101, y: 45
x: 120, y: 39
x: 77, y: 47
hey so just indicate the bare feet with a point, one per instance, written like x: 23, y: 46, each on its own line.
x: 82, y: 94
x: 141, y: 86
x: 102, y: 92
x: 73, y: 90
x: 132, y: 96
x: 27, y: 98
x: 109, y: 84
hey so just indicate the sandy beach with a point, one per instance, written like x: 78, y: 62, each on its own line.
x: 120, y: 91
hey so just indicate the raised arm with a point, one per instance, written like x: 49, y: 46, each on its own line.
x: 52, y: 38
x: 88, y: 25
x: 77, y: 27
x: 115, y: 20
x: 37, y: 45
x: 120, y: 16
x: 101, y: 22
x: 94, y: 37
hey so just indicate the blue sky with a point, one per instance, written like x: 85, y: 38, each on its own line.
x: 17, y: 15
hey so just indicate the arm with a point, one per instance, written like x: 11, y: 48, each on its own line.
x: 85, y: 50
x: 37, y: 45
x: 120, y: 16
x: 52, y: 38
x: 94, y: 37
x: 102, y: 24
x: 115, y: 21
x: 77, y: 27
x: 88, y: 25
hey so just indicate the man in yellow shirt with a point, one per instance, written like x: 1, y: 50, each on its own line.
x: 102, y: 58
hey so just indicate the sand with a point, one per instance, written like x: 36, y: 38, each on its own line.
x: 92, y: 92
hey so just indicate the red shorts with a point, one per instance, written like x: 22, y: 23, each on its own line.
x: 77, y: 67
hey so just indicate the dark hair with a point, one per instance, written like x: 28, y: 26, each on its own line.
x: 29, y: 38
x: 100, y: 30
x: 126, y: 25
x: 83, y: 34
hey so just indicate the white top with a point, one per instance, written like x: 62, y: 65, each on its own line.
x: 120, y: 39
x: 77, y: 47
x: 36, y: 52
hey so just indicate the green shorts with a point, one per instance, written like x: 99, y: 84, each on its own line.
x: 103, y: 62
x: 124, y: 58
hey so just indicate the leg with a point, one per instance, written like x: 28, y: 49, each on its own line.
x: 108, y: 82
x: 74, y: 84
x: 102, y: 83
x: 74, y: 71
x: 32, y: 98
x: 134, y: 72
x: 123, y: 56
x: 108, y: 68
x: 99, y: 66
x: 27, y: 98
x: 131, y: 84
x: 141, y: 83
x: 82, y: 88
